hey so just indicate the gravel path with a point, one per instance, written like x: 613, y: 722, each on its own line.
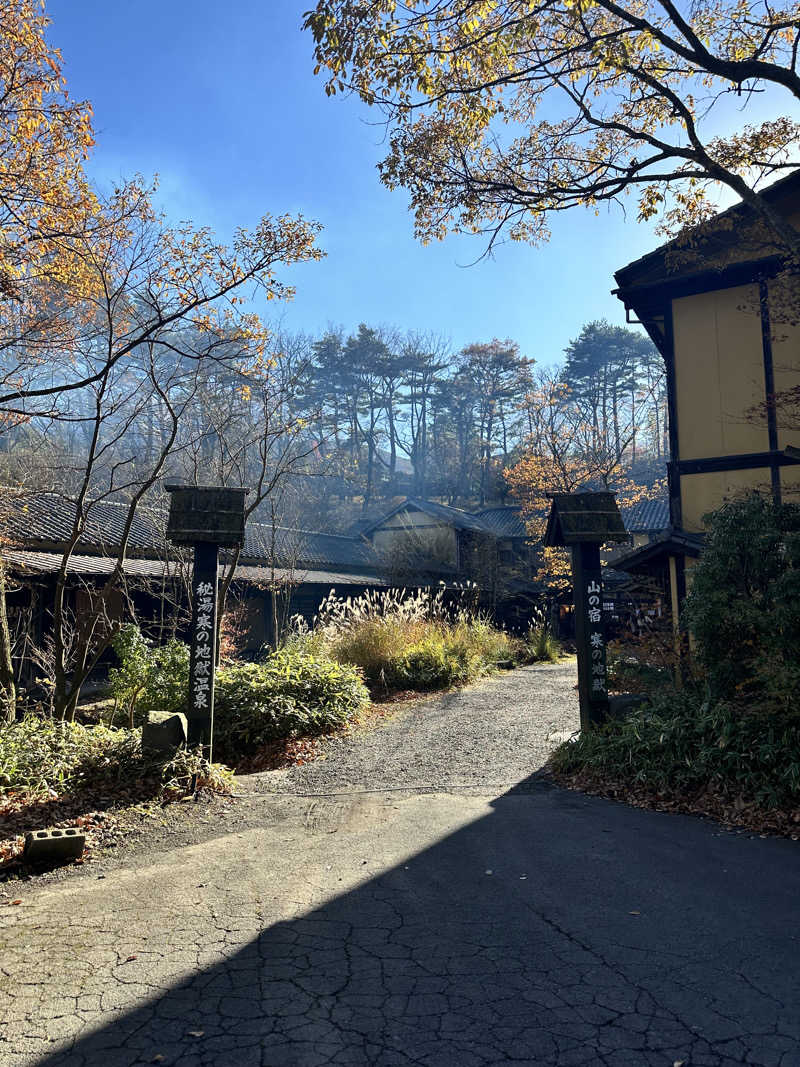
x: 488, y: 737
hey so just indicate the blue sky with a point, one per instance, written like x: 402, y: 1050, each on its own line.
x: 221, y: 102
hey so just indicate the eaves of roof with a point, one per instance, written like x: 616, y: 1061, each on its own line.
x: 673, y: 542
x: 48, y: 563
x: 650, y: 270
x: 462, y: 520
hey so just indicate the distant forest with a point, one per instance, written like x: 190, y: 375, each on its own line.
x: 333, y: 428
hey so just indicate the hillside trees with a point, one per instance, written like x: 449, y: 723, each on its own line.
x: 498, y: 375
x: 502, y: 113
x: 403, y: 414
x: 612, y: 371
x: 385, y: 400
x: 424, y: 359
x: 392, y: 413
x: 567, y: 449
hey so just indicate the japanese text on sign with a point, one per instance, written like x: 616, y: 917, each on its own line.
x: 203, y: 644
x: 597, y: 646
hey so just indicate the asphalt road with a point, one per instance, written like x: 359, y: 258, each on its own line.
x: 533, y: 927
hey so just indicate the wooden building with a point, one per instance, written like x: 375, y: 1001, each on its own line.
x: 489, y: 548
x: 721, y: 309
x: 296, y: 568
x: 280, y: 572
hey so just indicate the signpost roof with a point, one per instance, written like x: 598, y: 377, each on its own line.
x: 212, y: 514
x: 580, y: 518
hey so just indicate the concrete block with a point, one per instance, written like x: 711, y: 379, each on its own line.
x: 164, y: 732
x: 54, y: 846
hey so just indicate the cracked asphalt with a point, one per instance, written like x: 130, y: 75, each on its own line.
x: 464, y: 926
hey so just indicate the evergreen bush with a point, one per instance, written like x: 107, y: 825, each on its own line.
x: 743, y: 607
x: 148, y: 678
x: 295, y: 692
x: 43, y: 757
x: 683, y: 745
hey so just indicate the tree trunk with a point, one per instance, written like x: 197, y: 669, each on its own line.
x: 633, y: 427
x: 8, y: 690
x: 273, y: 607
x: 60, y: 698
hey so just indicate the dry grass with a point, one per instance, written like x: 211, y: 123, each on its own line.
x: 411, y: 641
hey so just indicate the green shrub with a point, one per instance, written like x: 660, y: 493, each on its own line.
x: 148, y: 677
x: 434, y: 663
x: 295, y: 692
x: 45, y: 757
x: 38, y: 755
x: 683, y: 744
x: 743, y: 607
x: 735, y: 731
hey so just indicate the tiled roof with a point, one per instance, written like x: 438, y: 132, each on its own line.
x: 304, y: 548
x: 44, y: 521
x: 101, y: 566
x: 646, y: 515
x: 504, y: 522
x: 461, y: 520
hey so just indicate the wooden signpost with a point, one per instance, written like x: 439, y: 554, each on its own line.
x: 582, y: 522
x: 206, y: 517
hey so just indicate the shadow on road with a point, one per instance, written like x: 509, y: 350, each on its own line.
x: 560, y: 929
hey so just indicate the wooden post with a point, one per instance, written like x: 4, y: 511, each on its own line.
x: 203, y: 654
x: 590, y: 633
x: 205, y: 516
x: 676, y: 625
x: 583, y: 522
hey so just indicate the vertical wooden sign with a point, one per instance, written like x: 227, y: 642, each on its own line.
x: 205, y: 517
x: 590, y: 635
x: 203, y: 650
x: 582, y: 522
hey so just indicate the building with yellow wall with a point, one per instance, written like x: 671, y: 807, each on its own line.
x: 724, y: 313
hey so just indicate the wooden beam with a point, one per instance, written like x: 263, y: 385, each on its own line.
x: 673, y: 473
x: 769, y: 386
x: 741, y: 462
